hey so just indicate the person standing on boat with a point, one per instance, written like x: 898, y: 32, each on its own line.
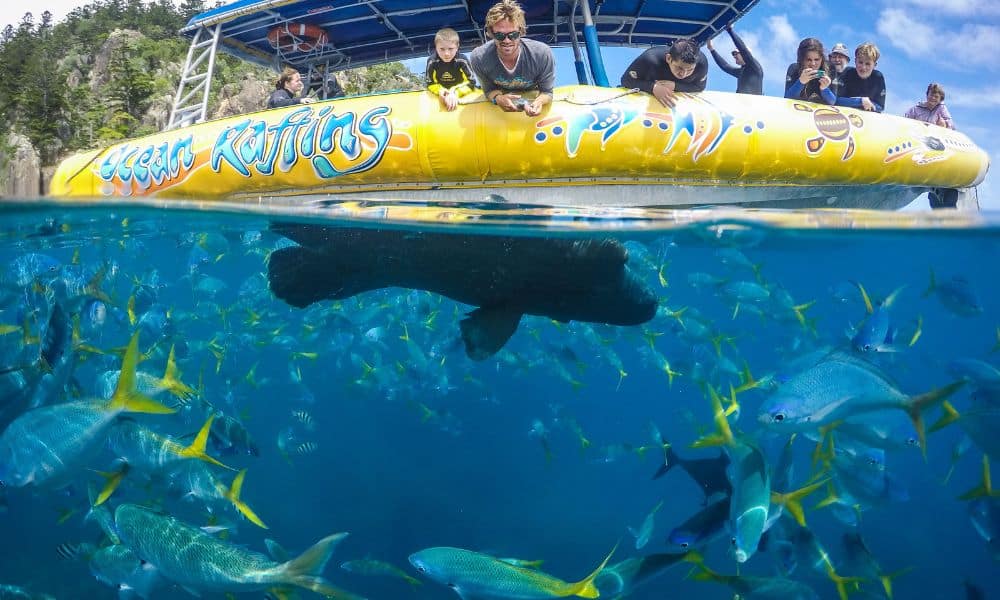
x: 510, y: 64
x: 325, y: 86
x: 808, y: 78
x: 838, y: 60
x: 748, y: 72
x: 864, y: 85
x: 663, y: 71
x: 449, y: 75
x: 289, y: 84
x: 933, y: 110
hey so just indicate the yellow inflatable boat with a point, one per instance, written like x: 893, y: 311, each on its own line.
x: 591, y: 146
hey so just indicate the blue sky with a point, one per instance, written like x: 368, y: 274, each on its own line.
x: 952, y: 42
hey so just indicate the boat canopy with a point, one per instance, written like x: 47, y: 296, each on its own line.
x: 320, y: 37
x: 355, y: 33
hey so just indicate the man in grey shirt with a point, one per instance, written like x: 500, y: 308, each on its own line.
x: 510, y: 64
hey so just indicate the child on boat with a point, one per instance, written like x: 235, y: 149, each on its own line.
x: 933, y: 110
x: 864, y: 85
x: 449, y: 75
x: 808, y: 78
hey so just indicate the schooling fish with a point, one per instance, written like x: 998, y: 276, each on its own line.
x: 621, y: 579
x: 838, y: 387
x: 475, y: 575
x: 700, y: 528
x: 645, y: 530
x: 198, y: 561
x: 708, y: 473
x: 506, y: 277
x: 48, y: 445
x: 957, y: 295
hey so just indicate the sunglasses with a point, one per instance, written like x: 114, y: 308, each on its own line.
x: 510, y: 35
x: 736, y: 52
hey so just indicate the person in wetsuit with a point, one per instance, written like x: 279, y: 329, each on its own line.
x: 748, y: 72
x: 662, y: 71
x: 288, y: 86
x: 449, y: 75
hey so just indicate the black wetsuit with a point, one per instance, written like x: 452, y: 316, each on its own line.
x: 749, y: 77
x: 854, y: 88
x: 454, y: 74
x: 331, y: 88
x: 811, y: 91
x: 651, y: 66
x: 280, y: 98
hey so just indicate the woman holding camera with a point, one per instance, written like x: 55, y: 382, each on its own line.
x: 808, y: 78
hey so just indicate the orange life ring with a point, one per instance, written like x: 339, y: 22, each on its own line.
x: 297, y: 37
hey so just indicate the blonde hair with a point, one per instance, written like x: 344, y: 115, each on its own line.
x: 867, y: 50
x: 506, y: 10
x: 446, y: 34
x: 285, y: 77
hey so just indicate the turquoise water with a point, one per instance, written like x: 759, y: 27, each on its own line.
x: 367, y: 414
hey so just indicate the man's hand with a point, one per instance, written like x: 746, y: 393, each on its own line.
x: 710, y: 46
x: 534, y: 108
x: 664, y: 92
x: 867, y: 104
x: 307, y: 100
x: 506, y: 102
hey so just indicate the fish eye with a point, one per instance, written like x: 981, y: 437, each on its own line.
x: 422, y: 569
x: 779, y: 417
x: 866, y: 347
x: 684, y: 544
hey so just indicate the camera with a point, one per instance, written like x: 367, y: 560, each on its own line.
x: 820, y: 73
x: 519, y: 103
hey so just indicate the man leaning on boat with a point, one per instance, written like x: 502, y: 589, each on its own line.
x: 662, y: 71
x: 510, y: 64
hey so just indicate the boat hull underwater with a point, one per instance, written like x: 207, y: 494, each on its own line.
x: 593, y: 146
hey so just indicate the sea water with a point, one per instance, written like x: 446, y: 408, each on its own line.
x: 368, y: 416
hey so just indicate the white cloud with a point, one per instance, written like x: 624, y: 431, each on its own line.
x: 976, y: 98
x: 959, y: 8
x: 938, y: 45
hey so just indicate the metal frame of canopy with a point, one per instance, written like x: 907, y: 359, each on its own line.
x: 357, y: 33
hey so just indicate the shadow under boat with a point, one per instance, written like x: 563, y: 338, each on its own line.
x: 506, y: 277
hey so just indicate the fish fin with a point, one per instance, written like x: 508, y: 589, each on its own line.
x: 724, y: 435
x: 192, y: 591
x: 197, y: 447
x: 585, y: 588
x: 233, y: 495
x: 985, y: 488
x: 171, y: 381
x: 304, y: 571
x: 931, y: 286
x: 915, y: 406
x: 127, y: 397
x: 486, y: 330
x: 792, y: 501
x: 113, y: 480
x: 886, y: 579
x: 865, y: 297
x: 277, y: 551
x: 950, y: 416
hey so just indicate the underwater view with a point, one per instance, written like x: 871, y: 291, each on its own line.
x: 367, y: 400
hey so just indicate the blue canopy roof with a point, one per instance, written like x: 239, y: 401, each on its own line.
x: 364, y: 32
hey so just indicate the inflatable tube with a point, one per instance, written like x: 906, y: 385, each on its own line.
x: 719, y: 145
x: 297, y: 37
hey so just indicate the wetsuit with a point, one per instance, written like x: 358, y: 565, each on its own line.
x: 282, y: 97
x: 651, y: 66
x: 455, y: 75
x: 749, y: 77
x: 811, y: 91
x: 855, y: 88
